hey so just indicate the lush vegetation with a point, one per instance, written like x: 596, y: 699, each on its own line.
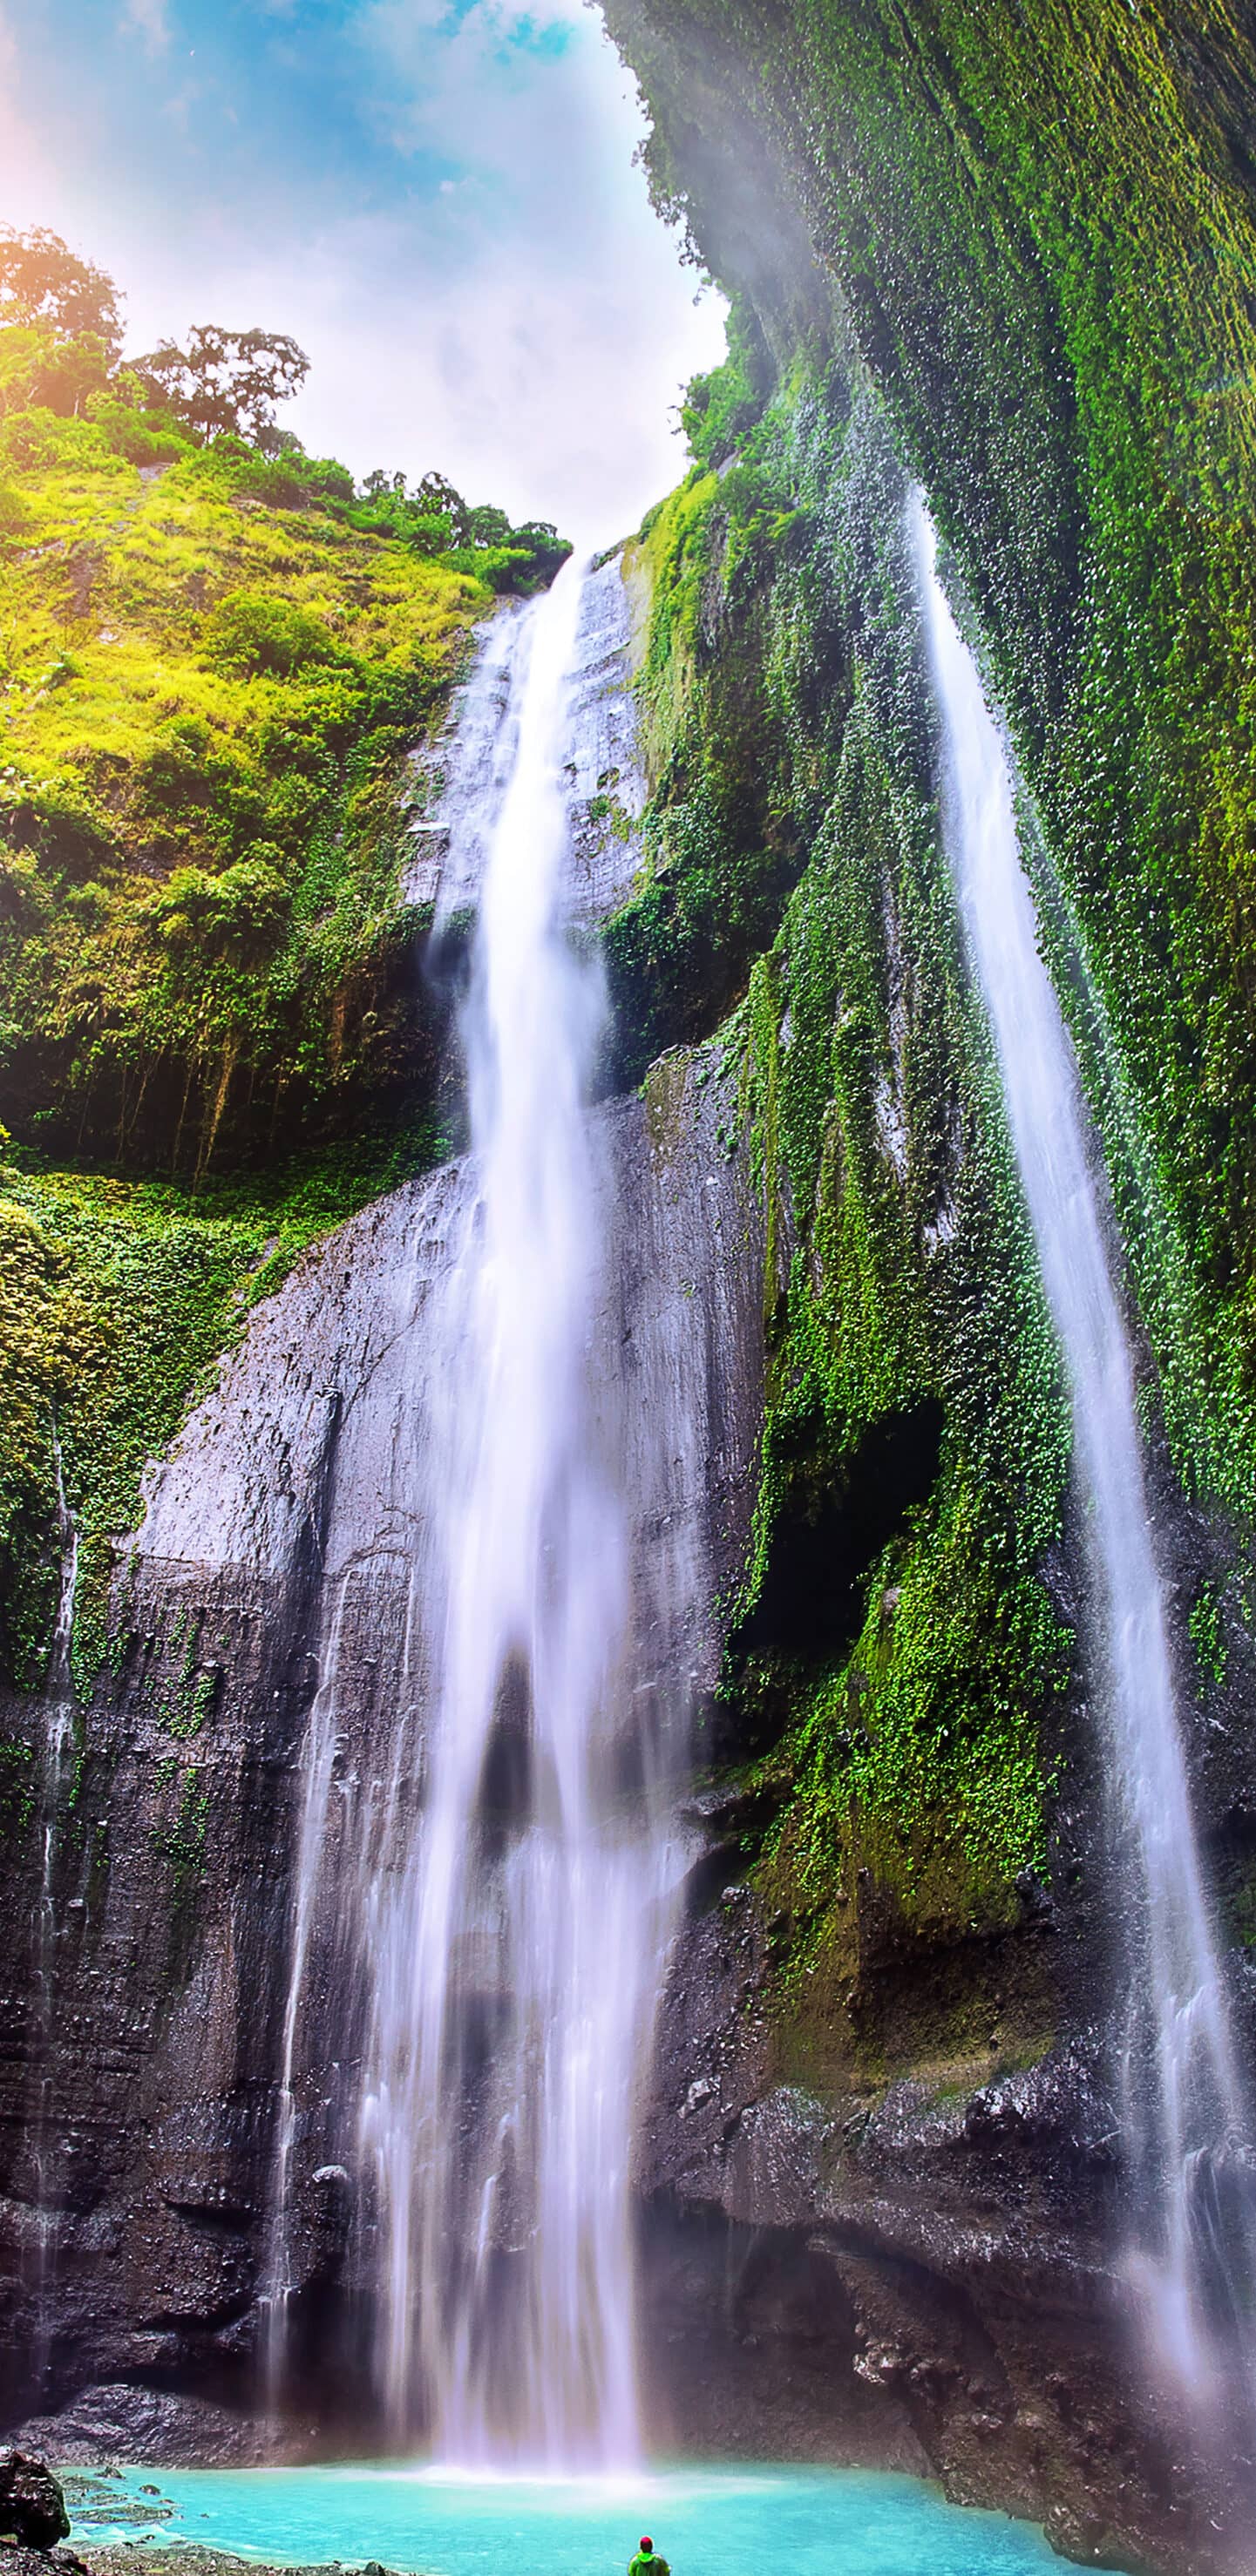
x: 1040, y: 229
x: 116, y: 1298
x: 895, y: 1658
x: 217, y: 662
x: 1034, y: 234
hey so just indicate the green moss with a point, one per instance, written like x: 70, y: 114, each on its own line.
x: 1207, y: 1633
x: 784, y: 700
x: 116, y: 1300
x: 1041, y: 229
x: 17, y: 1787
x: 179, y: 1836
x: 209, y: 699
x: 1033, y: 232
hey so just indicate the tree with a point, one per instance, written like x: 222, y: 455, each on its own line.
x: 225, y: 380
x: 60, y: 324
x: 437, y: 499
x: 488, y: 526
x: 542, y: 541
x: 41, y: 280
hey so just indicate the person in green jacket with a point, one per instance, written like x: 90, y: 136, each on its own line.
x: 646, y: 2563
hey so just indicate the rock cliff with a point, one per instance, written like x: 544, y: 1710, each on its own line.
x: 880, y: 2179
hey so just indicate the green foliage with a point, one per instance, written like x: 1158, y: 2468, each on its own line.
x: 435, y: 521
x: 215, y: 672
x: 116, y: 1300
x: 1034, y: 232
x: 249, y: 633
x: 1207, y: 1633
x: 719, y: 409
x: 59, y: 324
x: 1043, y: 227
x: 789, y: 746
x: 230, y: 469
x: 205, y: 803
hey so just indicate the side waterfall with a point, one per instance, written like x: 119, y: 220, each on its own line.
x: 486, y: 1921
x: 59, y: 1686
x: 1185, y: 2115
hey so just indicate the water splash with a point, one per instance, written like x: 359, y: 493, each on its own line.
x: 1185, y: 2112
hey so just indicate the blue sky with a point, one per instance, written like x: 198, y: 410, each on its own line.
x: 436, y: 197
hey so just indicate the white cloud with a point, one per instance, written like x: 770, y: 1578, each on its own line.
x: 541, y: 332
x: 525, y: 328
x: 149, y: 20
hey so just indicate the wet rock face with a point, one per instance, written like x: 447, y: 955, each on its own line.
x: 912, y: 2273
x: 115, y: 2420
x: 146, y: 1988
x: 915, y: 2274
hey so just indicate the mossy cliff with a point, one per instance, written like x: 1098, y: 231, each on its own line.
x: 210, y: 695
x: 895, y: 1652
x: 217, y: 666
x: 1040, y: 232
x: 1011, y: 254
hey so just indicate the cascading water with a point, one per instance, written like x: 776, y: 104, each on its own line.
x: 514, y: 1948
x: 502, y: 1894
x: 320, y: 1756
x: 59, y: 1687
x: 1185, y: 2111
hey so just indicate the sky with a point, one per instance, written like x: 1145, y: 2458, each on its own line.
x: 436, y: 198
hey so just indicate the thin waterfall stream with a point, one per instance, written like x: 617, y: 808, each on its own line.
x: 59, y: 1686
x: 503, y: 1892
x: 1185, y: 2115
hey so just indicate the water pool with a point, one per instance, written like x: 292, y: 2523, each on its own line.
x: 707, y: 2522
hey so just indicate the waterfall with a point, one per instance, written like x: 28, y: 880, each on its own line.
x: 1185, y: 2115
x: 320, y: 1755
x: 59, y: 1688
x: 483, y: 1902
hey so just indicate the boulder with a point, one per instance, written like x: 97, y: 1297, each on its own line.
x: 32, y: 2506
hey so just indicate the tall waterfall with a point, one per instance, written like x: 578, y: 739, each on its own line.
x: 508, y: 1948
x: 482, y: 1927
x: 1184, y: 2109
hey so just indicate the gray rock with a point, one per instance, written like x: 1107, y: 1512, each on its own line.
x: 147, y: 2427
x: 138, y: 2108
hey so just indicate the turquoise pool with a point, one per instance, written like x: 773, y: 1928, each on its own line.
x: 708, y: 2522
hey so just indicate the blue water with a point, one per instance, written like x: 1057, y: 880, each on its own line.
x: 707, y: 2522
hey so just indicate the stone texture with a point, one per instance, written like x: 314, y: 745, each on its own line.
x: 32, y: 2506
x: 138, y: 2098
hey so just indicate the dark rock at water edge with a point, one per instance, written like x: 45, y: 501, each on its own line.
x: 166, y: 2428
x: 32, y: 2505
x: 17, y: 2559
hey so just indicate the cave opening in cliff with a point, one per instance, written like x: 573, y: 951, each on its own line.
x: 827, y: 1536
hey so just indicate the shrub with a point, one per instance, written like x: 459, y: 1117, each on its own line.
x: 248, y: 635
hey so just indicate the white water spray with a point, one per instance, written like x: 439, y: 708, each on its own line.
x: 1185, y: 2112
